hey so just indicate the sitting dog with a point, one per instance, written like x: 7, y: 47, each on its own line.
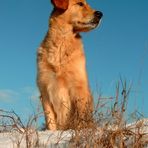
x: 62, y: 77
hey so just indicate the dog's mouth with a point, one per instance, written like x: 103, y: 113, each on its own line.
x: 86, y: 26
x: 81, y: 26
x: 92, y: 23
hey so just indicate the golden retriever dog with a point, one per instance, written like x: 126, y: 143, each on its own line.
x: 62, y: 77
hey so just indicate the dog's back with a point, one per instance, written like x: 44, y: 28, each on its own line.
x: 62, y: 77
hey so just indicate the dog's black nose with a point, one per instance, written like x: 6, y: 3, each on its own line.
x: 98, y: 14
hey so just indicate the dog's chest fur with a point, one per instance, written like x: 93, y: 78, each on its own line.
x: 62, y: 51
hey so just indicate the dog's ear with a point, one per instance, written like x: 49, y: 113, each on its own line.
x: 60, y: 4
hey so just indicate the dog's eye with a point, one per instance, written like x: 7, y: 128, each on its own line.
x: 80, y: 4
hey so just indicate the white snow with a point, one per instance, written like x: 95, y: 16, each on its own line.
x: 45, y: 139
x: 49, y: 139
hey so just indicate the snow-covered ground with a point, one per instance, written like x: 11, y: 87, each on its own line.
x: 45, y: 139
x: 57, y: 139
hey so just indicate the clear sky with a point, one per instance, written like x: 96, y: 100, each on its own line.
x: 119, y: 47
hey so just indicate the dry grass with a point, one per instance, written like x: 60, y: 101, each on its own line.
x: 11, y: 123
x: 106, y: 128
x: 110, y: 128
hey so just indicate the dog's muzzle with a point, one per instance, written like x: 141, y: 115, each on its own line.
x: 97, y: 17
x: 98, y: 14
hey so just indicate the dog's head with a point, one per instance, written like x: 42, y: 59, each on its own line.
x: 77, y: 13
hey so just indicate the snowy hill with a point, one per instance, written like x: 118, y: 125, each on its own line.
x: 42, y: 139
x: 60, y: 139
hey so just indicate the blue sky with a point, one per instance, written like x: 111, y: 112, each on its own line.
x: 119, y: 47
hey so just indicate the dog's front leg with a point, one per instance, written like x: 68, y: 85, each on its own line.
x: 50, y: 116
x: 60, y: 99
x: 83, y: 103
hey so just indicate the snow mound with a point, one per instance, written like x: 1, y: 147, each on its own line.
x: 52, y: 139
x: 59, y: 139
